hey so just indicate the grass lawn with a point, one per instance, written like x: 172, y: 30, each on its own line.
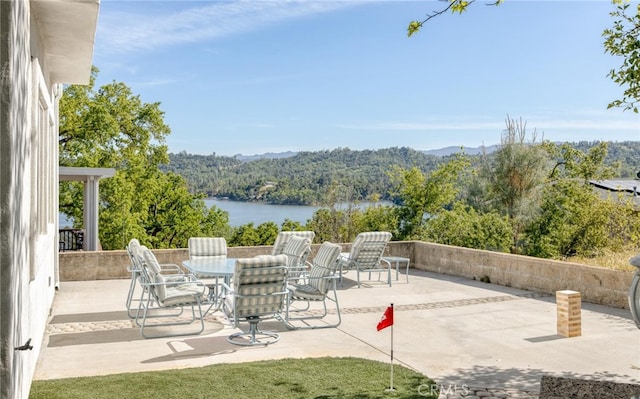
x: 289, y: 378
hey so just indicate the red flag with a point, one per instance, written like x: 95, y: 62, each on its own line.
x: 387, y: 319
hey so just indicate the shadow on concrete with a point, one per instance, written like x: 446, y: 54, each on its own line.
x: 192, y: 348
x: 95, y: 337
x: 89, y: 317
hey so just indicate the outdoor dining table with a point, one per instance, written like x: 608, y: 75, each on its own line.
x: 212, y: 267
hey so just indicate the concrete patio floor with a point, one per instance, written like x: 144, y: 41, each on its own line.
x: 460, y: 332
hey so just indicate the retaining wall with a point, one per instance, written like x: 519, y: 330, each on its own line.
x: 596, y: 285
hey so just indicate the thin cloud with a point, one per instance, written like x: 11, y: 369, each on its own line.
x: 125, y: 32
x: 540, y: 124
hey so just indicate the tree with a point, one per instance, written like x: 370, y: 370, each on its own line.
x: 573, y: 163
x: 424, y: 195
x: 574, y: 220
x: 455, y: 6
x: 515, y: 174
x: 463, y: 226
x: 622, y: 41
x: 110, y: 127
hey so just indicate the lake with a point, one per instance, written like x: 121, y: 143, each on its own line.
x: 257, y: 213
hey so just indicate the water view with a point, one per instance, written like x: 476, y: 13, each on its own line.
x: 252, y: 212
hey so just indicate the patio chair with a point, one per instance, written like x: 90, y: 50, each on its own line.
x: 321, y: 282
x: 258, y: 292
x: 297, y: 250
x: 167, y: 292
x: 133, y: 250
x: 200, y: 247
x: 366, y: 255
x: 208, y: 247
x: 283, y: 237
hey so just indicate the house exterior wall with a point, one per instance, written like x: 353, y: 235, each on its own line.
x: 28, y: 192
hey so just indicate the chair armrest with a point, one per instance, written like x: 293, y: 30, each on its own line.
x: 170, y: 267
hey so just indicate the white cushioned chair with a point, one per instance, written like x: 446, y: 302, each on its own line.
x: 297, y: 250
x: 366, y: 255
x: 258, y: 291
x: 283, y: 237
x: 320, y: 286
x: 202, y: 247
x: 167, y: 292
x: 134, y: 251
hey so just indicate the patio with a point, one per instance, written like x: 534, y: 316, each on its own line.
x: 463, y: 333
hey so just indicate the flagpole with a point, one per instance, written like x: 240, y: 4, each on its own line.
x: 391, y: 388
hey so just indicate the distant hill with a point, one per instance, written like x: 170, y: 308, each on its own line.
x: 439, y: 152
x: 267, y: 155
x: 311, y: 178
x: 446, y: 151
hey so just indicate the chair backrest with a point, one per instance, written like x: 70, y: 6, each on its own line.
x: 297, y: 250
x: 283, y: 237
x: 259, y: 285
x: 368, y: 248
x: 150, y: 271
x: 133, y: 250
x: 203, y: 247
x: 324, y: 264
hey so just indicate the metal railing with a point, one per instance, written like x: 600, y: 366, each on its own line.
x: 70, y: 239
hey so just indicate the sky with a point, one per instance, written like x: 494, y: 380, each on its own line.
x: 258, y: 76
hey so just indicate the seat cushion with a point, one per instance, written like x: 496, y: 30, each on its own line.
x: 306, y: 292
x: 172, y: 293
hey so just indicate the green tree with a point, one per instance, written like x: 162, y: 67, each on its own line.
x: 572, y: 163
x: 424, y: 195
x: 515, y: 175
x: 330, y: 224
x: 454, y: 6
x: 574, y: 220
x: 113, y: 128
x: 245, y: 236
x: 622, y: 41
x: 463, y: 226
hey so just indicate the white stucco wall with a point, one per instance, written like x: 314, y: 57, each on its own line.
x: 27, y: 252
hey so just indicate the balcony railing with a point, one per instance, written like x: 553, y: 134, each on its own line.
x: 70, y: 239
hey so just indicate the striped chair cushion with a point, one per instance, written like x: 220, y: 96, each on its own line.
x: 259, y: 286
x: 150, y: 262
x: 283, y: 237
x: 325, y: 264
x: 366, y: 250
x: 297, y: 249
x: 207, y: 246
x: 134, y: 246
x: 177, y: 293
x: 253, y: 270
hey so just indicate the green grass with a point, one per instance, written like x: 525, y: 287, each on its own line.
x: 320, y: 378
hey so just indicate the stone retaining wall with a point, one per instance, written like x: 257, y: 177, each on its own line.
x: 596, y: 285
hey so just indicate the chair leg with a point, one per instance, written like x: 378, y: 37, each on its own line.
x: 250, y: 337
x: 145, y: 307
x: 326, y: 312
x: 131, y: 293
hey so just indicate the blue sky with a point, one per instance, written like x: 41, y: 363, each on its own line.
x: 249, y: 77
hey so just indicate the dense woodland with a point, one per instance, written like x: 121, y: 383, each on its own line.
x: 324, y: 177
